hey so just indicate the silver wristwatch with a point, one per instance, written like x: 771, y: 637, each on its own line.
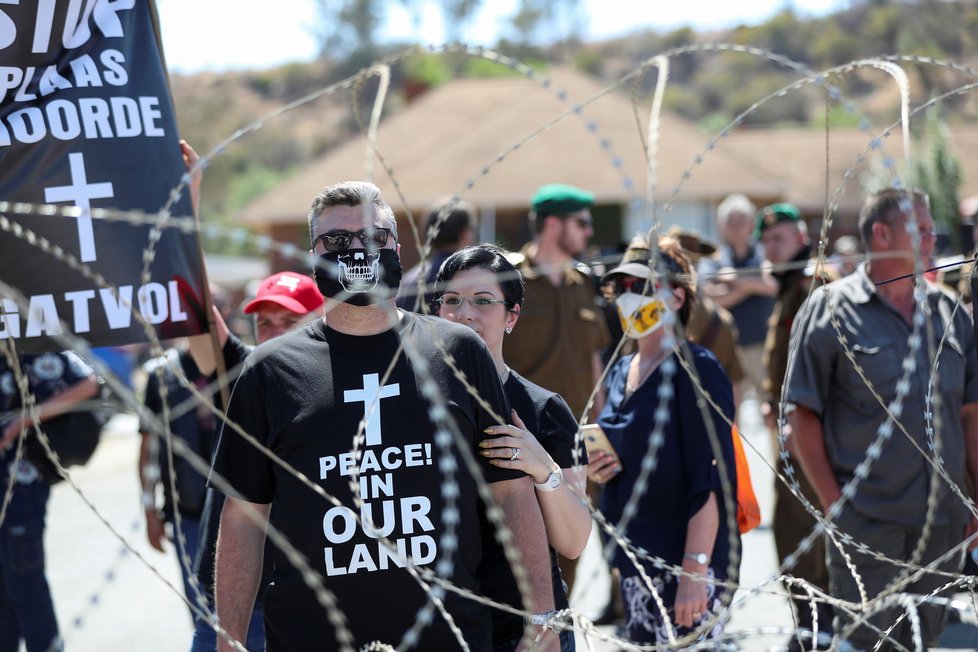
x: 552, y: 483
x: 698, y: 557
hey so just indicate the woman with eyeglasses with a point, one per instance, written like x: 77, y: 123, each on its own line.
x: 479, y: 288
x: 652, y: 413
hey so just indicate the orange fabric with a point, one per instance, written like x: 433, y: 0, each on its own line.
x: 748, y: 511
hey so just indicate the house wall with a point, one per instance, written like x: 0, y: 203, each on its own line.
x: 294, y: 234
x: 695, y: 216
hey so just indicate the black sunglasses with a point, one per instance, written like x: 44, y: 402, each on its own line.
x: 631, y: 284
x: 585, y: 222
x: 340, y: 240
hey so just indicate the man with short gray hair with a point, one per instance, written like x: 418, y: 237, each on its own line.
x: 733, y: 279
x: 852, y: 380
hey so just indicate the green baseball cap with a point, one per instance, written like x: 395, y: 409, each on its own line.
x: 560, y: 199
x: 775, y: 214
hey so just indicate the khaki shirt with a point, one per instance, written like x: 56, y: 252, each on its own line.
x: 825, y: 381
x: 792, y: 292
x: 559, y: 331
x: 713, y: 327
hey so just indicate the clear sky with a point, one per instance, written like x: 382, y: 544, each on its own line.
x: 235, y: 34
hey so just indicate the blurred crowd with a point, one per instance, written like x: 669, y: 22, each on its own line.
x: 611, y: 382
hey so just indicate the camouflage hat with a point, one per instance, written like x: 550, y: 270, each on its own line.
x: 775, y: 214
x: 560, y: 199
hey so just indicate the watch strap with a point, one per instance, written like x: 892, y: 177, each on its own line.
x: 698, y: 557
x: 552, y: 483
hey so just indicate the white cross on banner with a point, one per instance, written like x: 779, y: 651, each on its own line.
x: 81, y: 193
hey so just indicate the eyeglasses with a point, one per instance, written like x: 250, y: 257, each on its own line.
x: 455, y: 301
x: 339, y: 240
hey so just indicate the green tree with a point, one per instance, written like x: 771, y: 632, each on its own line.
x: 427, y: 69
x: 348, y: 28
x: 526, y: 21
x: 938, y: 172
x: 832, y: 44
x: 539, y: 21
x: 784, y: 34
x: 881, y: 28
x: 456, y: 14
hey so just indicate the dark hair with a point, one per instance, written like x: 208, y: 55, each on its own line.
x: 536, y: 222
x: 673, y: 252
x: 350, y: 193
x: 457, y: 216
x: 883, y: 207
x: 539, y: 220
x: 487, y: 257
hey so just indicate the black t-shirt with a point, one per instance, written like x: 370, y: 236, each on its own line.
x: 303, y: 395
x: 194, y: 423
x: 234, y: 351
x: 548, y: 418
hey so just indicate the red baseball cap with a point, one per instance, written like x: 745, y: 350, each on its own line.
x: 292, y: 291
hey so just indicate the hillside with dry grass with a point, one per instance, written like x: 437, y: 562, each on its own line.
x: 707, y: 87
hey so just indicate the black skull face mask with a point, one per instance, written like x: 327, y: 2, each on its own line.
x: 357, y: 276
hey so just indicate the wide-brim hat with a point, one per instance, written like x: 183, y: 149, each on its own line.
x: 635, y: 263
x: 692, y: 244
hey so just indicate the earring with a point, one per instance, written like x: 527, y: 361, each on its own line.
x: 509, y: 329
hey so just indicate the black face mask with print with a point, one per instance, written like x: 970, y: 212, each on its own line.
x: 357, y: 276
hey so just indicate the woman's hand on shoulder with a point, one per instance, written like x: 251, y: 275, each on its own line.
x: 515, y: 447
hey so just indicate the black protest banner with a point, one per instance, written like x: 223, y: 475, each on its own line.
x: 86, y: 121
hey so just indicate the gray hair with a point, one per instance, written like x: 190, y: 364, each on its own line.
x: 350, y: 193
x: 884, y: 206
x: 735, y: 203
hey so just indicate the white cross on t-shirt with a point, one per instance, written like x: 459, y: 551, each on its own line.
x: 81, y: 193
x: 370, y: 396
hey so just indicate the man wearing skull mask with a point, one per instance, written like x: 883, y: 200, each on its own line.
x: 416, y: 506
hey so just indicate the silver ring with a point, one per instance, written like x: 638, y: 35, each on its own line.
x: 516, y: 454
